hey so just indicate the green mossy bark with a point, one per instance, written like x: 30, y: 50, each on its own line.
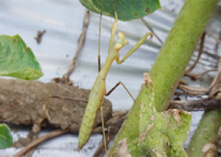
x: 206, y: 132
x: 165, y: 74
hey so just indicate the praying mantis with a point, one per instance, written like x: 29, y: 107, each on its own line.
x: 98, y: 91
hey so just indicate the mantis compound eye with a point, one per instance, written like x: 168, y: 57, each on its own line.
x: 121, y: 41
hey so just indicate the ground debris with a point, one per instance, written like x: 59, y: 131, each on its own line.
x: 39, y: 36
x: 34, y: 102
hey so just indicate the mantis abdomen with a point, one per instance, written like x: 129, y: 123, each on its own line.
x: 94, y: 104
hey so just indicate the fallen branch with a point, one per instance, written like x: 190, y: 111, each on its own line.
x: 40, y: 140
x: 32, y: 103
x: 195, y: 105
x: 113, y: 125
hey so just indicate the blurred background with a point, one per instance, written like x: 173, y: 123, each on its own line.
x: 62, y: 21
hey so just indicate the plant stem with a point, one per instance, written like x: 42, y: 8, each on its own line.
x: 169, y: 66
x: 206, y: 134
x: 178, y: 48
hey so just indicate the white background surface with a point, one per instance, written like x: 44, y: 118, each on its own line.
x: 62, y: 21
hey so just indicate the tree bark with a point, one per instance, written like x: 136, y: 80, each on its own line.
x: 34, y: 102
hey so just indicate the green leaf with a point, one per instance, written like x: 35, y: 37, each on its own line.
x: 17, y: 60
x: 126, y: 9
x: 5, y: 137
x: 90, y: 6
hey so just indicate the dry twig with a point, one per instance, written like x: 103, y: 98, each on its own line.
x: 213, y: 36
x: 40, y: 140
x: 39, y: 36
x: 81, y: 41
x: 114, y: 124
x: 151, y: 29
x: 195, y: 105
x: 193, y: 90
x: 199, y: 54
x: 216, y: 84
x: 199, y: 76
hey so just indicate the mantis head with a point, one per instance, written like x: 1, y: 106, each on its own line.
x: 121, y: 41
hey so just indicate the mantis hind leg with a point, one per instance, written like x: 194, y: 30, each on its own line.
x: 113, y: 32
x: 103, y: 129
x: 101, y: 111
x: 99, y: 44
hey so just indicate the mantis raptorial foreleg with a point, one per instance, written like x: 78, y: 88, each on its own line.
x: 133, y: 49
x: 98, y: 91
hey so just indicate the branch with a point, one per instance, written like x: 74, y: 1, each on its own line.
x: 81, y: 41
x: 32, y: 102
x: 199, y: 54
x: 40, y: 140
x: 195, y: 105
